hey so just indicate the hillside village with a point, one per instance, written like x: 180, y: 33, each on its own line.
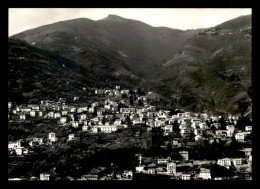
x: 170, y: 144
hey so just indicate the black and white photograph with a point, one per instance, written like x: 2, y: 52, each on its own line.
x: 129, y: 94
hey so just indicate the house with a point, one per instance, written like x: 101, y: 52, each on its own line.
x: 19, y: 150
x: 139, y: 169
x: 205, y: 174
x: 40, y: 113
x: 44, y: 177
x: 83, y: 117
x: 51, y: 137
x: 203, y: 126
x: 185, y: 155
x: 226, y: 162
x: 22, y: 116
x: 51, y: 114
x: 171, y: 168
x: 248, y: 129
x: 57, y: 115
x: 91, y: 109
x: 9, y: 105
x: 185, y: 132
x: 63, y: 120
x: 107, y: 106
x: 237, y: 161
x: 107, y: 129
x: 168, y: 128
x: 98, y: 91
x: 73, y: 109
x: 163, y: 161
x: 89, y: 177
x: 117, y: 122
x: 198, y: 131
x: 35, y: 140
x: 230, y: 130
x: 240, y: 137
x: 71, y: 137
x: 76, y: 98
x: 221, y: 133
x: 13, y: 145
x: 75, y: 124
x: 185, y: 176
x: 127, y: 174
x: 32, y: 113
x: 85, y: 128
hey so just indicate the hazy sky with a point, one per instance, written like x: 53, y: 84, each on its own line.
x: 21, y: 19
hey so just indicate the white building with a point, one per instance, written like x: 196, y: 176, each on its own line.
x: 44, y: 177
x: 85, y: 128
x: 57, y: 115
x: 205, y: 174
x: 226, y: 162
x: 63, y: 120
x: 240, y: 137
x: 52, y: 137
x: 83, y: 117
x: 32, y: 113
x: 22, y: 116
x: 71, y: 137
x: 171, y: 168
x: 248, y: 129
x: 185, y: 176
x: 230, y: 130
x: 75, y: 124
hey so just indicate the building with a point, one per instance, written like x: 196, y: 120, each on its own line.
x: 248, y: 129
x: 168, y: 129
x: 32, y: 113
x: 205, y: 174
x: 13, y: 145
x: 185, y: 176
x: 171, y: 168
x: 44, y: 177
x: 52, y: 137
x: 226, y: 162
x: 75, y: 124
x: 57, y: 115
x: 107, y: 128
x: 63, y: 120
x: 85, y: 128
x: 240, y: 137
x: 230, y: 130
x: 71, y: 137
x: 83, y: 117
x: 163, y: 161
x: 89, y: 177
x: 237, y: 161
x: 22, y: 116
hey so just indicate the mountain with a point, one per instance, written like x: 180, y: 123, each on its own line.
x: 200, y: 70
x: 213, y: 69
x: 35, y: 73
x: 142, y: 47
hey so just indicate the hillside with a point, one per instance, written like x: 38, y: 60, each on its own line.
x: 199, y: 70
x: 212, y: 69
x: 34, y: 74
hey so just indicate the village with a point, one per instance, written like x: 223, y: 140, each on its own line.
x: 181, y: 136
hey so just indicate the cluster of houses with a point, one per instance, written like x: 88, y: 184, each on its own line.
x: 169, y: 167
x: 106, y: 116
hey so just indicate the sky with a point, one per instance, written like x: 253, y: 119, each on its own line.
x: 21, y: 19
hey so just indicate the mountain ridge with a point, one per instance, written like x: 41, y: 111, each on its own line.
x: 170, y: 61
